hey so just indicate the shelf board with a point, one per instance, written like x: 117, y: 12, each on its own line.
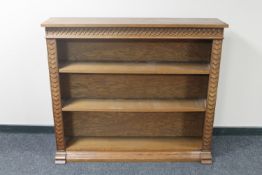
x: 135, y: 144
x: 135, y: 22
x: 131, y: 105
x: 133, y: 68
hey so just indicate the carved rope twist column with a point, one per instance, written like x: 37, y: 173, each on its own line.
x: 212, y: 93
x: 55, y: 90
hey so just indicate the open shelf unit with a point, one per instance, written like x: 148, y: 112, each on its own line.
x: 123, y: 92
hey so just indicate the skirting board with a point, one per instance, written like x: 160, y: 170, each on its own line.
x: 50, y: 129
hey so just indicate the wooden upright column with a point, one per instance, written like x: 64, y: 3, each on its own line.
x: 56, y: 99
x: 211, y: 100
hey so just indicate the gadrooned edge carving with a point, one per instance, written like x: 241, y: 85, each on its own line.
x: 212, y: 93
x: 55, y: 90
x: 133, y: 32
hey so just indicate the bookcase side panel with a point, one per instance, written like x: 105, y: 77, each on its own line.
x: 212, y: 94
x: 55, y: 91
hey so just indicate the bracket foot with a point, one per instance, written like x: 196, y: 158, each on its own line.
x: 206, y: 158
x: 60, y: 157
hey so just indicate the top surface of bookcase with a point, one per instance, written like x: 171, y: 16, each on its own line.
x: 136, y: 22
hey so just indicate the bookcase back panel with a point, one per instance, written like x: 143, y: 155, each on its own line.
x: 132, y: 124
x: 134, y: 50
x: 133, y: 86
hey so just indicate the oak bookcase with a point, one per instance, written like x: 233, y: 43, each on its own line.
x: 126, y: 89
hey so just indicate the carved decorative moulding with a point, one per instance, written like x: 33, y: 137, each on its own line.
x: 136, y: 32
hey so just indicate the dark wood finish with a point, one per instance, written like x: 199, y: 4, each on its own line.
x: 133, y: 124
x: 134, y: 89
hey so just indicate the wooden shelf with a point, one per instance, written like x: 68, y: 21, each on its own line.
x: 133, y: 68
x: 134, y: 149
x: 134, y: 144
x: 135, y: 22
x: 123, y: 105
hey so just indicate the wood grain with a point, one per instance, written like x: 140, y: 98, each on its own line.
x: 134, y: 144
x: 122, y: 105
x: 135, y: 22
x: 134, y: 33
x: 133, y: 86
x: 55, y: 91
x: 133, y: 68
x: 151, y: 82
x: 135, y: 50
x: 212, y: 93
x: 133, y: 124
x: 167, y: 156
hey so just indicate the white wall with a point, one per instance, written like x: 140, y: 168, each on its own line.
x: 24, y: 90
